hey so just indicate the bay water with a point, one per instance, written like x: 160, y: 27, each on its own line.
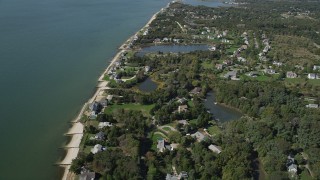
x: 51, y: 54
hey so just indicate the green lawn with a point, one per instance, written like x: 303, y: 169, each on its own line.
x: 166, y: 129
x: 135, y: 107
x: 106, y: 77
x: 87, y: 149
x: 190, y: 103
x: 315, y: 82
x: 305, y: 175
x: 294, y: 80
x: 207, y: 65
x: 214, y: 130
x: 193, y: 121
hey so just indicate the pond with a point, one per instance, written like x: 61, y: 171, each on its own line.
x: 172, y: 49
x: 220, y: 112
x: 148, y: 85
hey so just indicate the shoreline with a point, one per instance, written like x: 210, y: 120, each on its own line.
x: 76, y: 131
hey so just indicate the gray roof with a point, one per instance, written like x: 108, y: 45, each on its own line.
x: 87, y: 176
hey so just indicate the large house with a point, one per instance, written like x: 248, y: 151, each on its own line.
x: 196, y: 90
x: 104, y: 124
x: 313, y: 76
x: 291, y: 74
x: 198, y: 135
x: 182, y: 108
x: 215, y: 148
x: 160, y: 145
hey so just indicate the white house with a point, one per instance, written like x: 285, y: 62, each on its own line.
x: 104, y: 124
x: 215, y: 148
x: 97, y: 148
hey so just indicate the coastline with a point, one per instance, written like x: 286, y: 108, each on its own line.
x: 76, y: 131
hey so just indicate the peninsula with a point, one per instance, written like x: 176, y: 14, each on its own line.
x: 248, y: 58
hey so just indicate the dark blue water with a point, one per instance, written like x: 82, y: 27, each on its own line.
x: 222, y: 113
x: 51, y: 54
x: 148, y: 85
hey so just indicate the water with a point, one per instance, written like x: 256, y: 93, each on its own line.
x: 51, y: 54
x: 220, y: 112
x: 172, y: 49
x: 148, y: 85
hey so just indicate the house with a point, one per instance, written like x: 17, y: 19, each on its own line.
x: 109, y: 98
x: 103, y: 102
x: 99, y: 136
x: 291, y: 74
x: 293, y: 168
x: 160, y: 145
x: 183, y: 175
x: 241, y: 59
x: 184, y: 122
x: 104, y: 124
x: 313, y: 76
x: 227, y: 62
x: 182, y: 108
x: 316, y: 67
x: 198, y: 135
x: 171, y: 177
x: 87, y: 175
x: 157, y: 40
x: 212, y: 48
x: 94, y: 106
x: 147, y: 68
x: 196, y: 90
x: 219, y: 66
x: 270, y: 71
x: 312, y: 106
x: 182, y: 100
x: 215, y: 148
x: 231, y: 74
x: 97, y: 148
x: 92, y: 115
x: 253, y: 74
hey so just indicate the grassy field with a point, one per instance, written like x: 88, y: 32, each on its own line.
x: 135, y: 107
x: 214, y: 130
x: 207, y: 65
x: 315, y: 82
x: 190, y: 103
x: 166, y: 129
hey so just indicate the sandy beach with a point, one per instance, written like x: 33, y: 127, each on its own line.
x: 77, y: 129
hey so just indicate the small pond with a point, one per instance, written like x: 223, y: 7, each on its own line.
x: 220, y: 112
x: 148, y: 85
x: 172, y: 49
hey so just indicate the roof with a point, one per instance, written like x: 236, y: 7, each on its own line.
x: 109, y: 97
x: 184, y: 122
x: 97, y: 148
x: 196, y: 90
x: 99, y: 135
x: 160, y: 145
x: 104, y: 124
x: 93, y: 106
x: 87, y: 176
x: 215, y: 148
x: 198, y: 135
